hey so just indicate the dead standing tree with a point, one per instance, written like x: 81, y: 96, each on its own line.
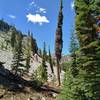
x: 59, y: 41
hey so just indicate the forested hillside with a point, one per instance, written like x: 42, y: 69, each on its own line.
x: 8, y: 36
x: 65, y: 65
x: 21, y: 60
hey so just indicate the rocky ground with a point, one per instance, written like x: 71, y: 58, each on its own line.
x: 6, y: 56
x: 27, y: 94
x: 14, y: 87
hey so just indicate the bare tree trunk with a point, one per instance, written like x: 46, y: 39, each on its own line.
x: 58, y: 72
x: 49, y: 89
x: 60, y: 66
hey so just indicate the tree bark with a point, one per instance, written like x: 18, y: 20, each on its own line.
x: 50, y: 89
x: 58, y: 72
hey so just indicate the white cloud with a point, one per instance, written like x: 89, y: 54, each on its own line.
x: 72, y: 5
x: 42, y: 10
x: 12, y: 16
x: 39, y: 9
x: 32, y: 3
x: 37, y: 18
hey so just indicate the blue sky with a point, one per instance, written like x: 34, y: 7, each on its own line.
x: 40, y: 17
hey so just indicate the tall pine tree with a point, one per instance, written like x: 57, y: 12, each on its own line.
x: 28, y: 53
x: 18, y: 55
x: 74, y: 46
x: 59, y: 41
x: 69, y: 87
x: 89, y: 57
x: 85, y: 85
x: 44, y: 74
x: 50, y: 61
x: 13, y: 37
x: 34, y: 47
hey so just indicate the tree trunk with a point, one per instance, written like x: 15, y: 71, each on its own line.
x: 50, y: 89
x: 58, y: 72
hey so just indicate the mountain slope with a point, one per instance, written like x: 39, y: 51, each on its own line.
x: 6, y: 32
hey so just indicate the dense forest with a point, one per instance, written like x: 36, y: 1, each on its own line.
x: 30, y: 73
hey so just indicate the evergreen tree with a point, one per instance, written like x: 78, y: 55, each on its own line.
x: 59, y: 41
x: 18, y: 55
x: 27, y: 62
x: 50, y: 61
x: 40, y: 52
x: 13, y: 37
x: 4, y: 26
x: 68, y: 88
x: 73, y: 42
x: 28, y: 53
x: 73, y: 48
x: 34, y: 47
x: 85, y: 85
x: 89, y: 56
x: 43, y: 66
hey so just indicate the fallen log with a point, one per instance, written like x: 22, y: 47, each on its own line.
x: 50, y: 89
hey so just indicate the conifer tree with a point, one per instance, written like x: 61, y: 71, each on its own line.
x: 18, y: 54
x: 27, y: 62
x: 40, y: 52
x: 73, y: 43
x: 34, y: 47
x: 43, y: 66
x: 28, y: 53
x: 74, y: 46
x: 68, y: 88
x: 59, y: 41
x: 85, y: 85
x: 4, y: 26
x: 89, y: 56
x: 13, y: 37
x: 50, y: 61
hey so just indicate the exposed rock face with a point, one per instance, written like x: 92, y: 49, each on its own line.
x: 6, y: 56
